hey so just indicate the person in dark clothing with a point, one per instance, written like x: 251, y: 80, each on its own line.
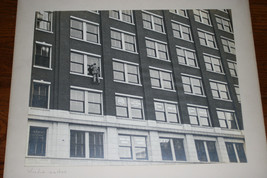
x: 95, y: 71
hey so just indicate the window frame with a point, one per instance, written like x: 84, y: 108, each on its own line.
x: 192, y: 86
x: 83, y: 145
x: 177, y: 11
x: 206, y: 39
x: 166, y: 112
x: 161, y: 79
x: 120, y: 15
x: 200, y: 15
x: 152, y: 16
x: 86, y: 100
x: 198, y: 116
x: 236, y: 153
x: 49, y: 21
x: 219, y: 92
x: 36, y: 143
x: 156, y: 44
x: 185, y: 50
x: 101, y: 145
x: 50, y: 55
x: 212, y: 63
x: 225, y: 119
x: 84, y: 30
x: 233, y: 71
x: 180, y: 31
x: 237, y: 92
x: 228, y: 46
x: 41, y: 82
x: 207, y: 152
x: 222, y: 19
x: 126, y: 73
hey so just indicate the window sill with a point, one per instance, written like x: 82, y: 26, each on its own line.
x: 155, y: 31
x: 191, y: 41
x: 223, y: 99
x: 215, y: 72
x: 152, y: 57
x: 127, y: 83
x: 83, y: 75
x: 121, y: 21
x: 163, y: 89
x: 123, y: 50
x: 40, y: 67
x: 204, y: 23
x: 192, y: 94
x: 78, y: 39
x: 41, y: 30
x: 188, y: 65
x: 179, y: 15
x: 209, y: 47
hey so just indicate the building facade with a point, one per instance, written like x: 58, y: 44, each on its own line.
x: 165, y: 89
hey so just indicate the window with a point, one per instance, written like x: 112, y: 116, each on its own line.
x: 42, y: 55
x: 129, y: 107
x: 181, y: 31
x: 123, y: 40
x: 207, y: 39
x: 96, y: 149
x: 84, y: 30
x: 181, y: 12
x: 40, y: 94
x: 227, y: 119
x: 157, y: 49
x: 77, y: 143
x: 219, y: 90
x: 166, y: 111
x: 202, y: 16
x: 126, y: 72
x: 153, y: 22
x: 170, y: 146
x: 80, y: 62
x: 192, y: 85
x: 237, y: 93
x: 224, y: 24
x: 132, y: 147
x: 161, y: 79
x: 206, y: 151
x: 236, y: 152
x: 232, y: 68
x: 186, y: 57
x: 89, y: 102
x: 198, y: 115
x: 228, y: 45
x: 44, y: 21
x: 213, y: 64
x: 122, y: 15
x: 37, y: 141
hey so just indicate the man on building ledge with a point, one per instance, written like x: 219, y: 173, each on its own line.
x: 95, y: 71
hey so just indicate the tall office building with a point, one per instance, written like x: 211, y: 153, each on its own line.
x: 134, y: 87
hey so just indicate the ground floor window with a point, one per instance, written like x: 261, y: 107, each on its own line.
x: 37, y: 141
x: 236, y: 152
x: 171, y: 147
x: 96, y: 145
x: 77, y: 145
x: 206, y: 151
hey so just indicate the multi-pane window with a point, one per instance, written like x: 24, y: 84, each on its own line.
x: 181, y: 31
x: 207, y: 39
x: 80, y: 62
x: 40, y: 95
x: 202, y: 16
x: 236, y: 152
x: 237, y: 93
x: 126, y: 72
x: 213, y: 64
x: 129, y: 107
x: 84, y: 30
x: 44, y: 21
x: 166, y: 111
x: 42, y: 55
x: 232, y: 68
x: 186, y: 56
x: 96, y: 148
x: 227, y: 119
x: 228, y: 45
x: 123, y: 40
x: 122, y: 15
x: 89, y: 102
x: 192, y: 85
x: 198, y: 115
x: 169, y: 146
x: 219, y: 90
x: 153, y: 22
x: 224, y: 24
x: 132, y: 147
x: 206, y: 151
x: 181, y: 12
x: 161, y: 79
x: 157, y: 49
x: 77, y: 143
x: 37, y: 141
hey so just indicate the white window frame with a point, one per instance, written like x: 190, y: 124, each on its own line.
x: 237, y: 92
x: 212, y: 63
x: 123, y: 41
x: 152, y: 21
x: 198, y: 116
x: 206, y: 38
x: 51, y: 23
x: 120, y: 16
x: 48, y: 94
x: 50, y: 55
x: 180, y: 25
x: 161, y: 80
x: 228, y: 45
x: 85, y: 64
x: 192, y: 86
x: 201, y: 11
x: 164, y: 102
x: 234, y: 142
x: 176, y: 11
x: 219, y: 92
x: 84, y: 22
x: 232, y: 69
x: 227, y: 111
x: 128, y: 97
x: 206, y: 148
x: 186, y: 57
x: 156, y: 42
x: 86, y: 90
x: 125, y: 63
x: 223, y: 25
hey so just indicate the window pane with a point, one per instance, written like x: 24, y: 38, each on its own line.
x: 178, y: 145
x: 94, y: 108
x: 121, y: 101
x: 140, y: 153
x: 212, y: 151
x: 77, y: 146
x: 160, y: 116
x: 96, y: 145
x: 94, y: 97
x: 124, y: 140
x: 77, y: 106
x: 37, y: 141
x: 201, y: 153
x: 77, y: 95
x: 241, y: 152
x: 40, y: 95
x: 121, y: 111
x: 166, y: 152
x: 125, y: 152
x: 231, y: 152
